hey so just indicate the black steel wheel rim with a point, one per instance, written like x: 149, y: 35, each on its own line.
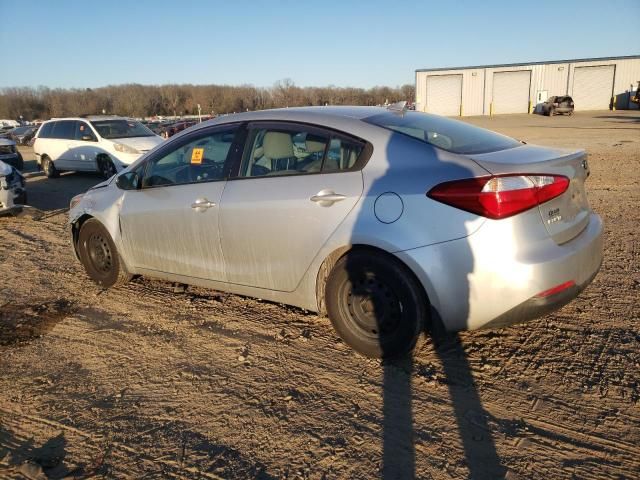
x: 108, y: 169
x: 371, y: 307
x: 99, y: 253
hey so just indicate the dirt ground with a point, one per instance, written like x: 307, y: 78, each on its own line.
x: 141, y: 382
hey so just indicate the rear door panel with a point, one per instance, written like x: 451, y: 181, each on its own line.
x: 271, y: 230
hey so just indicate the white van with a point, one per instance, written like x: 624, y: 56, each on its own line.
x: 104, y: 144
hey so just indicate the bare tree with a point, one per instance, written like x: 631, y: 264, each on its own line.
x: 137, y: 100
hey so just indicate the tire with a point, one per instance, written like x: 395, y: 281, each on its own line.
x: 376, y: 304
x: 99, y: 255
x: 106, y: 168
x: 49, y: 168
x: 22, y: 199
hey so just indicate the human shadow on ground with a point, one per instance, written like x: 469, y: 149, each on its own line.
x: 413, y: 167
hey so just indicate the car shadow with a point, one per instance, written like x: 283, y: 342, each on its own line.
x: 467, y: 412
x: 623, y: 118
x: 49, y: 194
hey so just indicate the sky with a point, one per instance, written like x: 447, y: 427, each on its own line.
x: 86, y: 44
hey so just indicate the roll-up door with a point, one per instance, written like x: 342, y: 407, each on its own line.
x: 444, y: 94
x: 511, y: 91
x: 592, y: 87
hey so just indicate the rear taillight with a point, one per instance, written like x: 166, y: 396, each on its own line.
x: 500, y: 196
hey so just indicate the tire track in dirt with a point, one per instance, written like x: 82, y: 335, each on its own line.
x: 156, y: 379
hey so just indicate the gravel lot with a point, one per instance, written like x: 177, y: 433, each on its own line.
x: 142, y: 382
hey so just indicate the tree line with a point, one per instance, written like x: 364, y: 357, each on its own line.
x: 135, y: 100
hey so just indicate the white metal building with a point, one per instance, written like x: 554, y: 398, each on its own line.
x: 594, y: 84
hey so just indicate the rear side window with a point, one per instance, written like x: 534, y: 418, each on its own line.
x: 280, y: 151
x: 65, y: 129
x: 45, y: 130
x: 296, y: 150
x: 342, y: 155
x: 452, y: 135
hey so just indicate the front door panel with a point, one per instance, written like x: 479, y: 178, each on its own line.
x: 162, y: 231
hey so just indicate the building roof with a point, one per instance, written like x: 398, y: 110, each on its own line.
x: 550, y: 62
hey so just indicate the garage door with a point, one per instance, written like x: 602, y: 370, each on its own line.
x: 592, y: 87
x: 444, y: 94
x: 511, y: 91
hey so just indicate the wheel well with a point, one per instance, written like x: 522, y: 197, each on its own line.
x: 336, y: 255
x: 100, y: 157
x: 75, y: 230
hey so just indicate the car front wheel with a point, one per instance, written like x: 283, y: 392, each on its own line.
x: 99, y: 255
x: 375, y: 304
x: 106, y: 167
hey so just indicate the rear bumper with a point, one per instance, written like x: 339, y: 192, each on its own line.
x: 537, y: 307
x: 491, y: 278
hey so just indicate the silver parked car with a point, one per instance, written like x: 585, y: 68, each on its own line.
x: 385, y: 219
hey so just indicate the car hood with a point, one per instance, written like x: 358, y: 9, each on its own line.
x: 140, y: 143
x: 6, y: 141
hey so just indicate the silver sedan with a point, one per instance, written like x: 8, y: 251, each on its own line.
x: 386, y: 220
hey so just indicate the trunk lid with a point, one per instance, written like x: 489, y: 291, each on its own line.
x: 565, y: 216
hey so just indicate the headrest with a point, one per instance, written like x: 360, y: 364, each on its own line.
x: 314, y: 146
x: 277, y: 145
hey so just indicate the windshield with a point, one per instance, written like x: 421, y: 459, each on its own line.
x: 121, y: 129
x: 451, y: 135
x: 20, y: 130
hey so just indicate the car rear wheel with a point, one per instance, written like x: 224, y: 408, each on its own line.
x: 99, y: 255
x: 49, y: 168
x: 375, y: 304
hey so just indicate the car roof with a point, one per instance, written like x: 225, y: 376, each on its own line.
x: 323, y: 115
x: 90, y: 118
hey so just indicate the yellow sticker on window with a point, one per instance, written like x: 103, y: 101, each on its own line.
x: 196, y: 155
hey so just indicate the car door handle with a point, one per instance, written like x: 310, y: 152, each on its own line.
x: 327, y: 197
x: 201, y: 204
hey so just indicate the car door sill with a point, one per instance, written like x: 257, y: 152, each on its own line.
x: 291, y: 298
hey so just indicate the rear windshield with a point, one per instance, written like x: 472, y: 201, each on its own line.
x: 121, y: 129
x: 451, y: 135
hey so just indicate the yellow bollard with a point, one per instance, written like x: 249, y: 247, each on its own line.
x: 491, y: 109
x: 529, y: 107
x: 613, y: 103
x: 460, y: 109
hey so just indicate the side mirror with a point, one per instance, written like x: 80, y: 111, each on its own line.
x: 128, y: 181
x: 88, y: 138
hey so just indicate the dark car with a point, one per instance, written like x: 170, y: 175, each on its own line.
x: 171, y: 130
x: 558, y: 105
x: 22, y: 135
x: 9, y: 153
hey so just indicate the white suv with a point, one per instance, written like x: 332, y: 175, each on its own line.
x: 105, y: 144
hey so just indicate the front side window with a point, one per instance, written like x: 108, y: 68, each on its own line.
x: 83, y: 132
x: 121, y: 128
x: 204, y: 159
